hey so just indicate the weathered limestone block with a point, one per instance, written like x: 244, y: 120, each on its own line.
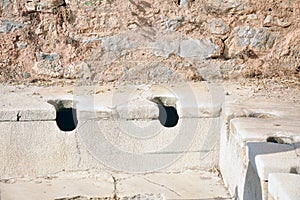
x: 77, y: 70
x: 116, y: 43
x: 171, y: 24
x: 246, y: 36
x: 138, y: 109
x: 16, y: 107
x: 36, y: 148
x: 50, y: 65
x: 202, y: 48
x: 188, y: 48
x: 268, y: 157
x: 217, y: 26
x: 115, y: 127
x: 166, y: 48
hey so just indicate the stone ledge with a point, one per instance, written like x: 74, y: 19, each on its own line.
x: 261, y: 110
x: 269, y: 158
x: 261, y: 130
x: 191, y: 100
x: 19, y: 107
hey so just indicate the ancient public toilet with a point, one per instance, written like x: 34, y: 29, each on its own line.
x: 154, y: 135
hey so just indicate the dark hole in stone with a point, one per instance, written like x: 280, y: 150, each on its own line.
x: 272, y: 139
x: 168, y: 116
x: 178, y: 2
x: 293, y: 170
x: 279, y: 140
x: 270, y: 9
x: 66, y: 119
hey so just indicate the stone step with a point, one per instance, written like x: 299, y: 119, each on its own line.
x: 257, y: 139
x: 283, y: 186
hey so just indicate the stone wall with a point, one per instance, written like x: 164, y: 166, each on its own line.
x: 148, y: 40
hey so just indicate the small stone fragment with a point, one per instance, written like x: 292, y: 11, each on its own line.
x: 201, y: 49
x: 10, y: 26
x: 271, y: 21
x: 217, y: 26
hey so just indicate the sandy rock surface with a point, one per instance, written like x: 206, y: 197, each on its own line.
x: 142, y: 41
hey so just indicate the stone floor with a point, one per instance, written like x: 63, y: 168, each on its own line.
x: 97, y: 185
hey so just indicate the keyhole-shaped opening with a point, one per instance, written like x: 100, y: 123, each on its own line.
x: 168, y: 116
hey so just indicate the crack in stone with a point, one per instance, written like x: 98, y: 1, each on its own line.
x: 163, y: 186
x: 18, y: 116
x: 78, y: 149
x: 115, y: 197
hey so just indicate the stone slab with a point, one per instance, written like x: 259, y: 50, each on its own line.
x: 20, y: 107
x: 104, y: 184
x: 284, y: 186
x: 57, y: 186
x: 186, y: 185
x: 187, y: 48
x: 192, y: 100
x: 139, y: 145
x: 260, y: 109
x: 38, y: 148
x: 263, y: 129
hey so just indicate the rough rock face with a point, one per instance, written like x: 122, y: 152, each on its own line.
x: 285, y: 56
x: 136, y: 40
x: 245, y: 36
